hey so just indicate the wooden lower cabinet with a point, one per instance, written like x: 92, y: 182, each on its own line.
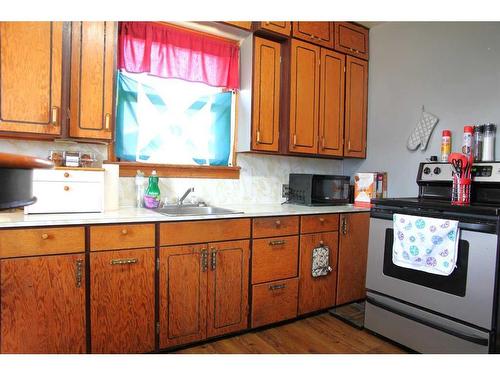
x: 43, y: 304
x: 122, y: 301
x: 274, y: 302
x: 183, y: 294
x: 274, y: 258
x: 203, y: 291
x: 316, y: 293
x: 228, y: 287
x: 353, y: 253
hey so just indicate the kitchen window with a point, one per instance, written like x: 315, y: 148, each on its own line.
x: 176, y: 95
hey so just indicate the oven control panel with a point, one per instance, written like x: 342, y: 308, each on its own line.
x: 481, y: 172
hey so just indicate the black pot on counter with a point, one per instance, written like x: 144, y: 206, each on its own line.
x: 16, y: 179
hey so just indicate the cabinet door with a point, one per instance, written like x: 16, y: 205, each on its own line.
x: 122, y: 301
x: 351, y: 39
x: 353, y: 252
x: 183, y: 294
x: 321, y: 33
x: 356, y: 105
x: 304, y: 97
x: 280, y: 27
x: 316, y: 293
x: 92, y: 67
x: 266, y: 95
x: 43, y: 304
x: 246, y: 25
x: 331, y: 113
x: 228, y: 287
x: 30, y: 71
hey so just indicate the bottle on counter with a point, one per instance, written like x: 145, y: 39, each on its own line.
x: 477, y: 149
x: 152, y: 195
x: 489, y: 142
x: 467, y: 140
x: 140, y: 182
x: 445, y: 145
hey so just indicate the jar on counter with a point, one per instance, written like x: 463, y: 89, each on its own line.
x: 467, y: 140
x: 477, y: 149
x: 489, y: 142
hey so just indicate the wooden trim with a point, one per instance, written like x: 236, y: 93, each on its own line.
x: 129, y: 169
x: 205, y: 34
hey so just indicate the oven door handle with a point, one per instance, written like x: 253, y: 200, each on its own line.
x: 460, y: 335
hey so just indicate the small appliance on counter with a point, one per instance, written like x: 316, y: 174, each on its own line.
x: 318, y: 190
x: 433, y: 313
x: 67, y: 190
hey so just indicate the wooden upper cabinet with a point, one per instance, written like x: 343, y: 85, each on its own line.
x: 356, y: 105
x: 304, y: 97
x: 227, y: 287
x: 353, y: 253
x: 321, y: 33
x: 92, y: 70
x: 351, y: 39
x: 266, y: 95
x: 183, y: 294
x: 331, y: 116
x: 280, y: 27
x: 246, y: 25
x: 31, y: 77
x: 122, y: 301
x: 43, y: 305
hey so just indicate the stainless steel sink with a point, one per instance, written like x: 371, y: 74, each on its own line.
x: 188, y: 210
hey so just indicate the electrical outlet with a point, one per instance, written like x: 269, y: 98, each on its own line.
x: 285, y: 191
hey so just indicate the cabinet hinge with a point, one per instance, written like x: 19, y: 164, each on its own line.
x: 157, y: 264
x: 157, y: 328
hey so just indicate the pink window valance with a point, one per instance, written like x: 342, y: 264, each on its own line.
x: 170, y: 52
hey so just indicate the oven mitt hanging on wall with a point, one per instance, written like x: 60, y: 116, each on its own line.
x: 422, y: 132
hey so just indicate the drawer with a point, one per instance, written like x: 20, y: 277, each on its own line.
x: 67, y: 175
x: 319, y: 223
x: 60, y: 197
x: 186, y: 232
x: 275, y: 226
x: 126, y: 236
x: 43, y: 241
x: 274, y: 302
x: 274, y: 258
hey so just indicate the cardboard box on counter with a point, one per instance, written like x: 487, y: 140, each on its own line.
x: 369, y: 185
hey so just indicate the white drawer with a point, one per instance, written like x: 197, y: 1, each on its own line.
x: 67, y: 175
x: 59, y: 197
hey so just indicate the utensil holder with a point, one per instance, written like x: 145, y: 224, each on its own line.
x: 460, y: 194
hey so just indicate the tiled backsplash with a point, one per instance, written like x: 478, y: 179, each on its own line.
x: 261, y: 176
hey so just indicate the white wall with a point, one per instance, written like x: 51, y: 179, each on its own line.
x: 452, y: 68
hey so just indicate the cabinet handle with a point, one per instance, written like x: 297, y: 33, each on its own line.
x: 45, y: 236
x: 66, y: 188
x: 321, y: 219
x: 54, y: 115
x: 277, y: 242
x: 213, y: 260
x: 78, y: 274
x: 204, y: 260
x: 277, y: 286
x: 107, y: 120
x: 349, y: 145
x: 267, y: 23
x: 278, y: 223
x: 124, y: 231
x: 118, y: 262
x: 321, y: 243
x: 258, y: 136
x: 66, y: 174
x: 344, y: 225
x: 295, y: 139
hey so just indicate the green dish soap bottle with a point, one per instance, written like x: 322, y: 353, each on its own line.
x: 152, y: 195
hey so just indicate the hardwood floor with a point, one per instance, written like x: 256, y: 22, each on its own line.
x: 318, y: 334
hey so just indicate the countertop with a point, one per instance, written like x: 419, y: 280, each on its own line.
x: 141, y: 215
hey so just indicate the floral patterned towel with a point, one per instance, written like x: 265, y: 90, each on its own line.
x: 425, y: 244
x: 321, y: 261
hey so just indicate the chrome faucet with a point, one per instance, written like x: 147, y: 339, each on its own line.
x: 184, y: 196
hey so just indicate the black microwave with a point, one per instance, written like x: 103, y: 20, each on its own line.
x: 318, y: 189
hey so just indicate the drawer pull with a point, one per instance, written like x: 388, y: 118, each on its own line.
x: 277, y: 287
x: 277, y: 242
x: 45, y: 236
x: 204, y: 260
x: 321, y: 219
x: 321, y: 243
x: 66, y: 174
x: 213, y: 260
x: 66, y: 188
x: 278, y: 223
x: 117, y: 262
x: 124, y: 231
x: 107, y: 120
x: 79, y: 267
